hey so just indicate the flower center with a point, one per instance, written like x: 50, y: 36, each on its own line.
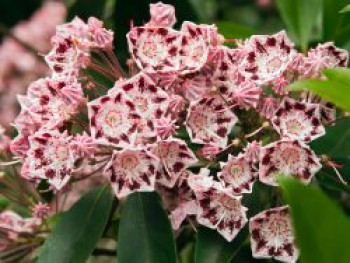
x: 273, y: 64
x: 129, y: 161
x: 294, y: 126
x: 236, y: 171
x: 141, y: 103
x: 114, y: 118
x: 278, y: 226
x: 290, y: 155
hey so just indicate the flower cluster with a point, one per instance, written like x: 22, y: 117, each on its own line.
x: 181, y: 122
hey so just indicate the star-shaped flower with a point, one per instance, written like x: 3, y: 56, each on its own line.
x: 288, y: 158
x: 266, y: 57
x: 132, y: 170
x: 175, y: 157
x: 298, y: 120
x: 272, y: 235
x: 238, y: 174
x: 210, y: 121
x: 49, y: 157
x: 155, y: 49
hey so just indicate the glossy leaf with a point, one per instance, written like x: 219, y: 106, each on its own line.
x: 78, y: 231
x: 211, y: 247
x: 231, y: 30
x: 334, y: 20
x: 300, y: 16
x: 145, y: 234
x: 335, y: 143
x: 345, y: 9
x: 322, y: 229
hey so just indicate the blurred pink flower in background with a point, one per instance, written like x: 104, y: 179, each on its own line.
x: 18, y: 65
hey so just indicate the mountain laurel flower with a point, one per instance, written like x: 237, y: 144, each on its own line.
x: 162, y: 15
x: 266, y: 57
x: 175, y: 157
x: 209, y: 121
x: 238, y: 174
x: 49, y: 157
x: 298, y: 120
x: 287, y: 158
x: 132, y: 170
x: 272, y: 235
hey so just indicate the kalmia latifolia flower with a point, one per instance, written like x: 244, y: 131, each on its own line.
x: 155, y: 49
x: 324, y: 56
x: 162, y: 15
x: 217, y: 208
x: 266, y: 57
x: 175, y: 157
x: 209, y: 121
x: 237, y: 174
x: 132, y: 170
x: 169, y: 124
x: 298, y: 120
x: 49, y: 157
x: 287, y: 158
x: 272, y: 235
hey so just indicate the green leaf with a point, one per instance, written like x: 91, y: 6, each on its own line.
x: 145, y: 234
x: 322, y: 229
x: 335, y: 21
x: 345, y: 9
x: 78, y: 231
x: 300, y: 16
x: 334, y: 89
x: 231, y: 30
x: 335, y: 143
x: 211, y: 247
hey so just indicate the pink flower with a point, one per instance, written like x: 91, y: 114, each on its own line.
x: 217, y: 209
x: 162, y: 15
x: 175, y: 157
x: 266, y: 57
x: 100, y: 37
x: 155, y: 49
x: 298, y: 120
x: 209, y: 151
x: 49, y: 157
x: 19, y: 146
x: 209, y: 121
x: 132, y: 170
x: 40, y: 210
x: 322, y: 57
x: 267, y: 107
x: 113, y: 119
x: 272, y: 235
x: 252, y: 151
x: 165, y: 127
x: 247, y: 95
x: 195, y: 43
x: 82, y: 146
x: 287, y: 158
x: 15, y: 225
x: 238, y: 174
